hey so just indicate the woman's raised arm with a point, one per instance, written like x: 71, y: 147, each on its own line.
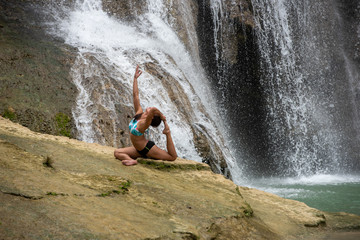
x: 136, y: 98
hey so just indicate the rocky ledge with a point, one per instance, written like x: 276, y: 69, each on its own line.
x: 54, y: 187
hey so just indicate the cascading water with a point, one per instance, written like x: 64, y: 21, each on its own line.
x: 173, y: 80
x: 308, y: 80
x: 298, y: 45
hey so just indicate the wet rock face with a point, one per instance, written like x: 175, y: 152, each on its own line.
x: 210, y: 151
x: 235, y: 20
x: 111, y: 102
x: 125, y: 10
x: 349, y: 35
x: 35, y: 82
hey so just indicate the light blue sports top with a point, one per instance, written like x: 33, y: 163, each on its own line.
x: 133, y: 128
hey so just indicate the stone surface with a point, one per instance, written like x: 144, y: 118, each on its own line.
x: 54, y: 187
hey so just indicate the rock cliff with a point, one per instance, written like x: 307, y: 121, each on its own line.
x: 36, y: 89
x: 54, y: 187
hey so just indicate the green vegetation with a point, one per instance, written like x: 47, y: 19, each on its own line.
x: 238, y: 192
x: 51, y: 194
x: 124, y: 188
x: 248, y: 212
x: 104, y: 194
x: 63, y: 124
x: 9, y: 114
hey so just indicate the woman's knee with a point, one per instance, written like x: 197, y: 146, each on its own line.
x: 171, y: 158
x: 125, y: 153
x: 168, y: 157
x: 118, y: 152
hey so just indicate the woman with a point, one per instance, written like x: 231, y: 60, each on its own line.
x: 138, y: 126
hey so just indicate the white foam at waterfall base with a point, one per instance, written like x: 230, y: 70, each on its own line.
x: 318, y: 179
x: 304, y: 187
x: 120, y: 46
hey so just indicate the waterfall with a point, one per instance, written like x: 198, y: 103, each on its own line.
x: 279, y: 97
x: 173, y: 80
x: 303, y: 72
x: 218, y: 15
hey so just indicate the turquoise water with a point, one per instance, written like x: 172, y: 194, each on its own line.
x: 332, y: 193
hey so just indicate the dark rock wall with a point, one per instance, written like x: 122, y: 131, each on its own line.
x: 349, y: 34
x: 235, y: 77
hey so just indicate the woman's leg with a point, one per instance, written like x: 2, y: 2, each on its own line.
x: 160, y: 154
x: 127, y: 155
x: 157, y: 153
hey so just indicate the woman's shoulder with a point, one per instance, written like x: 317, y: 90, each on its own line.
x: 141, y: 125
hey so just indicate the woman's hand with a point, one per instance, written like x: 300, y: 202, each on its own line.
x: 138, y: 72
x: 163, y: 118
x: 166, y: 129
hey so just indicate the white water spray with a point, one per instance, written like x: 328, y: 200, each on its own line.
x: 301, y: 128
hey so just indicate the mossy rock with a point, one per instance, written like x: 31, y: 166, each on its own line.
x: 63, y: 124
x: 9, y: 114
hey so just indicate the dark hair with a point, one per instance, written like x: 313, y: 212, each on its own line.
x: 155, y: 121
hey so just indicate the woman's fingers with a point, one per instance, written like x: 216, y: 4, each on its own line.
x: 138, y: 72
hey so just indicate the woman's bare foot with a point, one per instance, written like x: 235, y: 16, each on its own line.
x: 129, y: 162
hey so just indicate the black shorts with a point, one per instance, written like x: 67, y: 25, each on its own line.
x: 146, y: 149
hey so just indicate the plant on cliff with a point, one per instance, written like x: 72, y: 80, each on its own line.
x: 9, y: 114
x: 124, y: 188
x: 247, y: 210
x: 63, y: 124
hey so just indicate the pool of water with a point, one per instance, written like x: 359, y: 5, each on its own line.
x: 332, y: 193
